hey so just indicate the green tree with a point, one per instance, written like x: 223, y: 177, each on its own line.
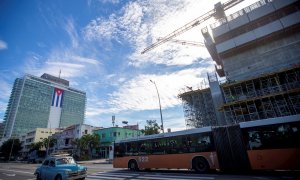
x: 35, y: 146
x: 12, y: 146
x: 76, y: 143
x: 86, y: 144
x: 90, y: 141
x: 151, y: 128
x: 49, y: 141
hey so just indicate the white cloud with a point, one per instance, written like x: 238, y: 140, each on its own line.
x: 5, y: 89
x: 71, y: 30
x: 141, y: 23
x: 85, y: 60
x: 3, y: 45
x: 140, y: 94
x: 65, y: 60
x: 100, y: 29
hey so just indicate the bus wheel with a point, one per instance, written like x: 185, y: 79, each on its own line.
x: 132, y: 165
x: 200, y: 165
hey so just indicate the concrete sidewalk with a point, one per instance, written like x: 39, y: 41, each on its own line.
x: 96, y: 161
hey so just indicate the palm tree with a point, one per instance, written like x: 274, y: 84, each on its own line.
x: 49, y: 142
x: 35, y: 146
x: 76, y: 143
x: 87, y: 143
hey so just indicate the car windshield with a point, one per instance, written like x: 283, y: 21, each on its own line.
x: 65, y: 160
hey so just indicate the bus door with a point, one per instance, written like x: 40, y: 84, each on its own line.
x: 230, y: 148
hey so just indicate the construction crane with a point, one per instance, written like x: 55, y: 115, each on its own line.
x: 184, y: 42
x: 218, y: 12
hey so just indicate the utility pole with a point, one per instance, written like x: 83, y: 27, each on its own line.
x: 161, y: 118
x: 12, y: 146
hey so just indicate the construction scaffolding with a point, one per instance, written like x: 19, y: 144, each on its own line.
x: 268, y: 96
x: 198, y: 108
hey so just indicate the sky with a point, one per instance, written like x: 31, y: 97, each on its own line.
x: 97, y: 45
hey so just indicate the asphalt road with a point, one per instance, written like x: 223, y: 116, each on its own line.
x: 23, y: 171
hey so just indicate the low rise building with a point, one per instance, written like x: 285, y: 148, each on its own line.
x: 65, y: 137
x: 37, y: 135
x: 109, y: 135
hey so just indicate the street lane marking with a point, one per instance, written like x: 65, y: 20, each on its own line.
x: 179, y: 176
x: 101, y: 177
x: 9, y: 174
x: 119, y: 173
x: 113, y: 175
x: 172, y: 177
x: 136, y: 176
x: 17, y: 171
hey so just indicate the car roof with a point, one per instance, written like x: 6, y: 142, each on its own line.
x: 58, y: 157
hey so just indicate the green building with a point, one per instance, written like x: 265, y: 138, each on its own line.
x: 42, y: 102
x: 109, y: 135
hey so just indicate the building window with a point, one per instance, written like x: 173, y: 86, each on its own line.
x: 67, y: 141
x: 119, y: 133
x: 85, y: 131
x: 103, y: 135
x: 115, y: 134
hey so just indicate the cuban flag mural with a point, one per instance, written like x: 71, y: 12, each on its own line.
x: 58, y: 97
x: 55, y: 109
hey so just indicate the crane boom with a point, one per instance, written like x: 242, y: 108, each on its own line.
x: 191, y: 24
x: 183, y: 42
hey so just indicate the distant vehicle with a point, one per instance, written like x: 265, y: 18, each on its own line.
x: 60, y: 167
x: 36, y: 156
x: 271, y: 144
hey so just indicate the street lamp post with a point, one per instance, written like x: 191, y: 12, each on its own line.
x: 161, y: 118
x: 11, y: 149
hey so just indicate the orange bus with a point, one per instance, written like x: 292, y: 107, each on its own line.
x: 272, y: 144
x: 190, y: 149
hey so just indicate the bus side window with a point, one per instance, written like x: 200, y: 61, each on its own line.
x: 129, y: 149
x: 127, y: 145
x: 142, y: 148
x: 119, y: 150
x: 186, y: 142
x: 171, y: 145
x: 204, y: 143
x: 158, y: 146
x: 133, y: 148
x: 254, y: 140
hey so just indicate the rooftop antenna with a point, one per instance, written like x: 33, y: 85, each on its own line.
x: 113, y: 120
x: 59, y: 73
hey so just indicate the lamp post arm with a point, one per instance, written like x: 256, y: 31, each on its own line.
x: 161, y: 118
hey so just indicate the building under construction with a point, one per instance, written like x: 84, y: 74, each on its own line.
x: 198, y: 108
x: 257, y: 51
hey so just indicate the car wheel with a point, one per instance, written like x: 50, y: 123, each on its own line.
x: 58, y: 177
x: 38, y: 176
